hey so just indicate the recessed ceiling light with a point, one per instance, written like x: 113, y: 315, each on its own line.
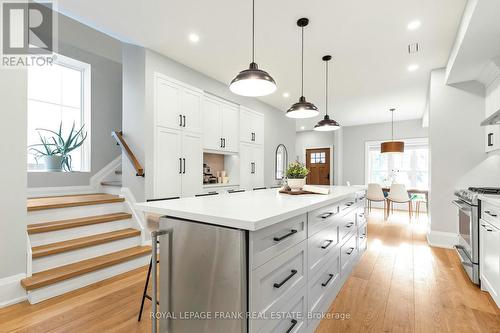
x: 412, y: 67
x: 194, y: 38
x: 413, y: 25
x: 286, y: 94
x: 302, y: 128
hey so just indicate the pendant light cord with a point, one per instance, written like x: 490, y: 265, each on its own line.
x: 253, y: 30
x: 302, y: 87
x: 392, y: 124
x: 326, y: 93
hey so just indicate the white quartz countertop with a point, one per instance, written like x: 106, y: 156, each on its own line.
x: 493, y: 199
x: 250, y: 210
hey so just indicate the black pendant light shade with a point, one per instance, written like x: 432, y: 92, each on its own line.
x: 253, y: 81
x: 302, y: 109
x: 326, y: 124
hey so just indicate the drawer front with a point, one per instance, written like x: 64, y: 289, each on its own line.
x: 319, y: 246
x: 292, y: 319
x: 270, y: 242
x: 347, y: 226
x: 321, y: 284
x: 360, y: 216
x: 277, y: 280
x: 490, y: 213
x: 347, y: 255
x: 362, y: 238
x: 322, y: 218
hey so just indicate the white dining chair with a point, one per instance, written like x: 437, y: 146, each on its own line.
x: 374, y: 193
x: 398, y: 194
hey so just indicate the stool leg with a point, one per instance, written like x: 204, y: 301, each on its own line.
x: 145, y: 290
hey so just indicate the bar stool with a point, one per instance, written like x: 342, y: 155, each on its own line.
x: 145, y: 292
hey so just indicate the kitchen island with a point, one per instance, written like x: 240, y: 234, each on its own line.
x: 256, y: 261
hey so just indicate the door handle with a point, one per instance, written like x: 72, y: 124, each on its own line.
x: 184, y: 168
x: 180, y: 165
x: 324, y: 284
x: 184, y: 119
x: 279, y: 239
x: 292, y: 273
x: 180, y: 120
x: 294, y: 322
x: 329, y: 241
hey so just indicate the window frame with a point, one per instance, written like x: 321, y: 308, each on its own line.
x: 85, y: 109
x: 369, y: 145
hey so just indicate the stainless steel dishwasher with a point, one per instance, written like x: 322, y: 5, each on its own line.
x: 202, y: 277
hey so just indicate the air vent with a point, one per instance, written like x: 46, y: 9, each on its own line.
x: 413, y: 48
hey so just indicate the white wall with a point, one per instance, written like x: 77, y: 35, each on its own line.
x: 278, y: 128
x: 456, y: 140
x: 355, y: 137
x: 13, y: 90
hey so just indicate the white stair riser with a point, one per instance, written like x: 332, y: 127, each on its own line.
x: 48, y: 215
x: 44, y: 238
x: 111, y: 189
x: 69, y: 257
x: 59, y: 288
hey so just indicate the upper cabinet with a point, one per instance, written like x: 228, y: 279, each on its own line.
x: 177, y: 106
x: 220, y: 125
x: 492, y: 132
x: 251, y: 126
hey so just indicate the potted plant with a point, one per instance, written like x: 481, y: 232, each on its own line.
x: 296, y: 175
x: 54, y: 150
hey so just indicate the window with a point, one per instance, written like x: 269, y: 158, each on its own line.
x: 318, y: 158
x: 59, y: 94
x: 410, y: 168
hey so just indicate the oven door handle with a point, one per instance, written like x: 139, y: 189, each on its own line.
x: 464, y: 259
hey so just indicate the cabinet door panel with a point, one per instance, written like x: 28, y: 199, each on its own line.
x: 192, y: 171
x: 230, y: 127
x: 492, y: 138
x: 258, y: 159
x: 167, y: 173
x: 246, y: 159
x: 490, y: 259
x: 258, y: 128
x: 191, y: 103
x: 167, y: 103
x: 212, y: 124
x: 246, y: 126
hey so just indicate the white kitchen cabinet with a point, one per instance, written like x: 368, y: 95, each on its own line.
x: 178, y: 167
x: 251, y: 166
x: 220, y: 125
x: 177, y: 106
x: 490, y: 259
x: 251, y: 126
x: 492, y: 104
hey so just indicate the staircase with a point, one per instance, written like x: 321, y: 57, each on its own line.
x: 77, y: 240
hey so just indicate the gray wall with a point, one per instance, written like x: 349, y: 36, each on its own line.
x: 103, y: 53
x: 278, y: 128
x: 456, y: 140
x: 13, y: 176
x: 355, y: 137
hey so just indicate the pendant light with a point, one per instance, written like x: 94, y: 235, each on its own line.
x: 326, y: 124
x: 253, y: 81
x: 302, y: 109
x: 392, y: 146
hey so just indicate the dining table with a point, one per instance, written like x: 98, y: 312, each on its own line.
x: 414, y: 191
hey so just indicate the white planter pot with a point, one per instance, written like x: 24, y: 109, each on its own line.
x: 296, y: 184
x: 53, y: 163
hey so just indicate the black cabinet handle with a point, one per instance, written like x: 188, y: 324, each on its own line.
x: 221, y: 142
x: 490, y: 213
x: 326, y: 215
x: 329, y: 242
x: 180, y: 165
x: 362, y: 236
x: 292, y: 273
x: 184, y: 119
x: 294, y: 322
x: 350, y: 224
x: 490, y: 139
x: 180, y: 120
x: 349, y: 252
x: 324, y: 284
x: 279, y: 239
x: 184, y: 168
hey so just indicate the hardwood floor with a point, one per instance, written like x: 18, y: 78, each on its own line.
x: 403, y: 285
x: 400, y: 285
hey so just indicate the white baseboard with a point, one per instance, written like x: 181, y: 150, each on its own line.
x: 11, y: 291
x: 442, y: 239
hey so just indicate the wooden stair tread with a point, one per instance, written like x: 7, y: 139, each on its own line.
x: 50, y: 276
x: 78, y: 222
x: 71, y: 201
x: 78, y: 243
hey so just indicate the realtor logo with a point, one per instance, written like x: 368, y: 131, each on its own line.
x: 27, y: 28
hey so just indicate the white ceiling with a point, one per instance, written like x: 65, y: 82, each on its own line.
x: 368, y: 41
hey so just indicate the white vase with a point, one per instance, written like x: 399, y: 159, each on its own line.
x: 296, y: 184
x: 52, y: 163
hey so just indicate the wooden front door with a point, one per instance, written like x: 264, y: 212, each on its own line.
x: 318, y: 164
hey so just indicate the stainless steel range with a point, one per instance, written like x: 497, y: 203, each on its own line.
x: 468, y: 226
